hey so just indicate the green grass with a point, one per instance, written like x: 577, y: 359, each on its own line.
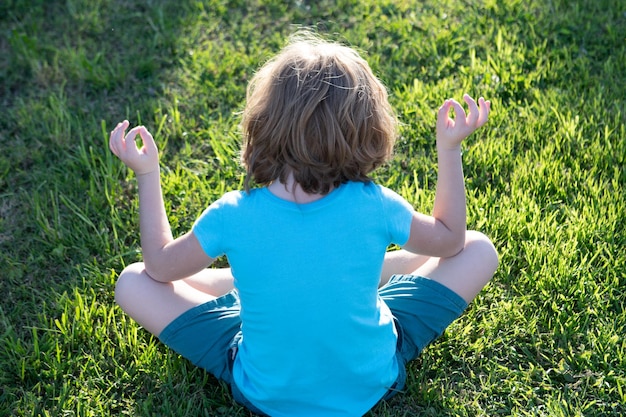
x: 546, y: 180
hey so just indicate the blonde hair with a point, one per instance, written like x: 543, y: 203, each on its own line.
x: 316, y: 111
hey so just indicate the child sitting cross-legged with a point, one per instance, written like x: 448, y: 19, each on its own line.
x: 314, y: 317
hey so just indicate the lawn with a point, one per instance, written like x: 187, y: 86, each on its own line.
x: 545, y: 179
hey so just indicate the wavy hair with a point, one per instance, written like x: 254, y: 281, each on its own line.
x: 316, y: 111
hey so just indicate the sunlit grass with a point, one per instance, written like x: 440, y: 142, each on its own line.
x: 545, y: 180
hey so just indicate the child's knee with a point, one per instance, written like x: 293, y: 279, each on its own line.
x: 483, y: 247
x: 127, y: 284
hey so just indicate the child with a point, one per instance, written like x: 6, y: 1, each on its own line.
x: 314, y: 318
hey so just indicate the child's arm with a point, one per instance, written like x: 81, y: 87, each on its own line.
x: 165, y: 259
x: 443, y: 233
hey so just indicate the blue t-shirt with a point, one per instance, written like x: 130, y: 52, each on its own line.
x: 317, y: 338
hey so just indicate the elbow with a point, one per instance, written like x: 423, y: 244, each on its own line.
x: 155, y: 272
x: 452, y: 252
x: 454, y: 246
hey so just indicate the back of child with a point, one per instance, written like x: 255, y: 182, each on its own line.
x: 314, y: 316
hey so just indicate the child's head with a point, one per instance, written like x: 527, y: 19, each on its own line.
x: 316, y: 111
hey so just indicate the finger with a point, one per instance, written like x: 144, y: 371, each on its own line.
x: 443, y: 114
x: 485, y: 107
x: 472, y: 117
x: 112, y: 139
x: 128, y: 143
x: 116, y: 136
x: 121, y: 127
x: 148, y: 141
x: 445, y: 108
x: 459, y: 112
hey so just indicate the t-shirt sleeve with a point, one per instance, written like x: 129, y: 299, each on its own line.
x: 398, y: 214
x: 208, y: 229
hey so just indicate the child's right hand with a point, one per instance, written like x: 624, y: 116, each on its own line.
x: 451, y: 132
x: 141, y: 161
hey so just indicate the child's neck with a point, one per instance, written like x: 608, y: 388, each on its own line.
x: 287, y: 191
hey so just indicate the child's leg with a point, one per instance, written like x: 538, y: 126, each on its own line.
x: 467, y: 272
x: 213, y: 281
x: 400, y: 262
x: 155, y: 304
x: 426, y: 300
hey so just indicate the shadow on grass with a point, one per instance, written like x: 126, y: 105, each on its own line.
x: 67, y: 66
x: 70, y: 70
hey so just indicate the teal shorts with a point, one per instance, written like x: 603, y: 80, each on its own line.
x: 207, y: 335
x: 422, y: 308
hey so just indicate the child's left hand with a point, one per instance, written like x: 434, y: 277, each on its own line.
x: 141, y: 161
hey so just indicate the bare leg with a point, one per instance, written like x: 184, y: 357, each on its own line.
x: 213, y: 281
x: 155, y: 304
x: 400, y: 262
x: 467, y: 272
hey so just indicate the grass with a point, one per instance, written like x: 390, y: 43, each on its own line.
x: 545, y: 180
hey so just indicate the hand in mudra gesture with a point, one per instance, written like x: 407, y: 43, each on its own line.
x: 452, y: 131
x: 142, y: 160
